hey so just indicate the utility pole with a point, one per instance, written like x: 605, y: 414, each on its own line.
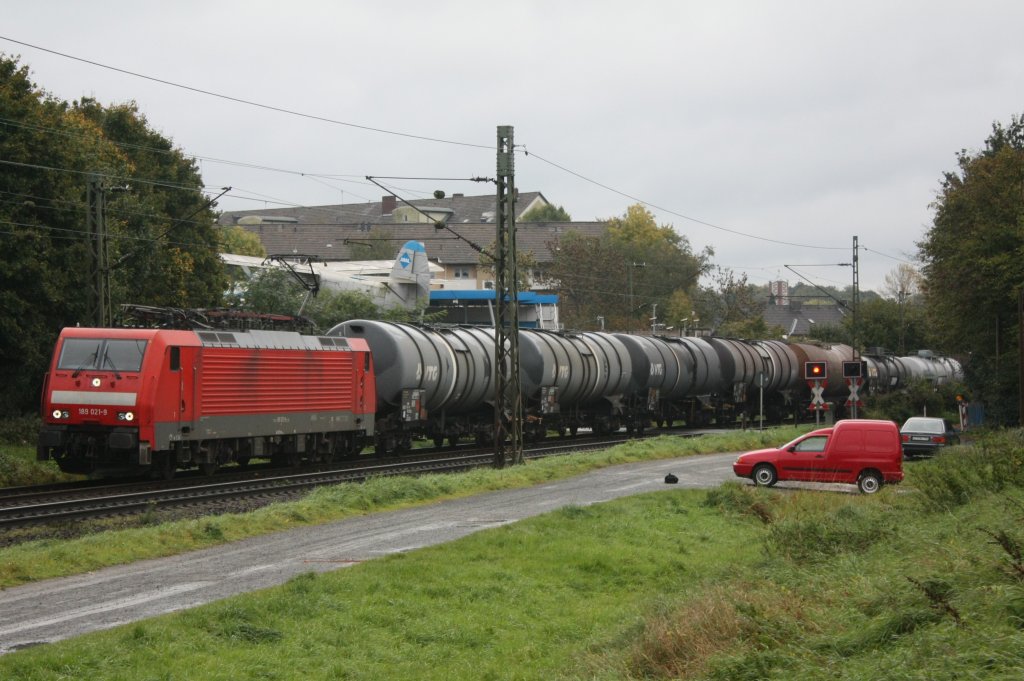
x: 99, y: 265
x: 856, y: 308
x: 508, y: 405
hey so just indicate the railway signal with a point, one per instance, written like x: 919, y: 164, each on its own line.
x: 854, y: 369
x: 815, y: 371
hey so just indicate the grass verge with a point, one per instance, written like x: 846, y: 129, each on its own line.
x: 50, y: 558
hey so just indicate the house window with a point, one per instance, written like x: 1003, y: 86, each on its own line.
x: 461, y: 273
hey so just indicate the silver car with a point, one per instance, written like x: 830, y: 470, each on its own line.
x: 923, y: 435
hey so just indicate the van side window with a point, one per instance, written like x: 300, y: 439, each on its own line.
x: 175, y: 359
x: 812, y: 444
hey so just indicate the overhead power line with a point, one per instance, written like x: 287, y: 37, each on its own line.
x: 426, y: 138
x: 247, y: 102
x: 677, y: 214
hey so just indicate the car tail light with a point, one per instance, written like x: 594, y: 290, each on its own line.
x: 939, y: 439
x: 905, y: 438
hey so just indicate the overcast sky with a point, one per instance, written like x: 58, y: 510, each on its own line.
x: 740, y: 123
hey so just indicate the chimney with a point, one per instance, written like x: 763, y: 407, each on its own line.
x: 387, y: 205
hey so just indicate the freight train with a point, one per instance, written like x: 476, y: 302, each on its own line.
x: 119, y: 401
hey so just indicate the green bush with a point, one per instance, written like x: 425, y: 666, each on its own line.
x: 19, y: 430
x: 961, y: 474
x: 917, y: 398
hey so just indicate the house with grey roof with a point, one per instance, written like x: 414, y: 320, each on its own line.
x: 343, y: 232
x: 797, y: 318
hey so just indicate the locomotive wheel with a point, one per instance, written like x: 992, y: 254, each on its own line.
x: 439, y: 441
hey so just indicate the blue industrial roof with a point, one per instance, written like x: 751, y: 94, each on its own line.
x: 474, y: 295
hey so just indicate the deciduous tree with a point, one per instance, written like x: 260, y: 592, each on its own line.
x: 162, y: 245
x: 974, y: 265
x: 625, y: 276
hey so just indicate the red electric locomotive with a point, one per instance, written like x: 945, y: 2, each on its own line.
x: 123, y: 400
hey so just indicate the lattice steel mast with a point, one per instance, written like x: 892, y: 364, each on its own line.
x: 508, y: 405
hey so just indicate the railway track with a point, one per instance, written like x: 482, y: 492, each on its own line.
x: 53, y: 504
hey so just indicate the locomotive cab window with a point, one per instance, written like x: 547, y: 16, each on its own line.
x: 79, y: 353
x: 99, y: 354
x: 175, y: 358
x: 123, y: 355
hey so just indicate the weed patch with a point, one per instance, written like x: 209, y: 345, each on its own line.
x: 817, y: 537
x: 743, y: 500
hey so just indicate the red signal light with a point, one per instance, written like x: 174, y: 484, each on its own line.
x: 815, y: 371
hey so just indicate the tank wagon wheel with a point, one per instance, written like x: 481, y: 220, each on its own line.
x: 439, y: 441
x: 765, y: 475
x: 869, y: 482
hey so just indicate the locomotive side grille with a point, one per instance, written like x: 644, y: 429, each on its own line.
x: 244, y: 381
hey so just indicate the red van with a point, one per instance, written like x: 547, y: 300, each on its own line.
x: 861, y: 451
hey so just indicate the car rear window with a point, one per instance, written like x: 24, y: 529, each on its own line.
x: 924, y: 426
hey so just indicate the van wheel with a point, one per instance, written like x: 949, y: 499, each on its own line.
x: 869, y: 482
x: 765, y: 475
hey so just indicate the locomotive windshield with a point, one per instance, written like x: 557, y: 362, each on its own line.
x: 80, y: 354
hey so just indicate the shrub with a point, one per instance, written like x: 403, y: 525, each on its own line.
x: 915, y: 399
x: 994, y: 463
x: 19, y: 430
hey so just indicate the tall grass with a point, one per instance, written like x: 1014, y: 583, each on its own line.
x: 993, y: 463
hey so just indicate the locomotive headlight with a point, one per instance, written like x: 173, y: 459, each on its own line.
x: 96, y: 382
x: 125, y: 416
x: 56, y: 414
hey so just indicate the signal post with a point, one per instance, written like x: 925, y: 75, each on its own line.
x: 816, y: 375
